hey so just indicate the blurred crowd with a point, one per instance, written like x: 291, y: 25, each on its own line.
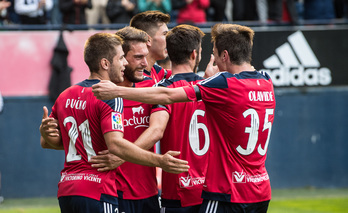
x: 93, y: 12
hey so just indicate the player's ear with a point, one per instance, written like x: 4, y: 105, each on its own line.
x: 193, y: 55
x: 225, y: 56
x: 149, y: 41
x: 105, y: 63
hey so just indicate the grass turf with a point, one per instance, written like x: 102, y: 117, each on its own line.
x: 283, y: 201
x: 309, y: 201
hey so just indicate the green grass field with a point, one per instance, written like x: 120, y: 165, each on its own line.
x: 284, y: 201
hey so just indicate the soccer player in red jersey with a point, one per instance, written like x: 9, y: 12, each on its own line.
x: 154, y: 23
x: 184, y: 124
x: 136, y: 184
x: 88, y: 125
x: 240, y: 105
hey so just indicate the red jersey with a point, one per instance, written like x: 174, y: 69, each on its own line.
x: 240, y: 113
x: 83, y: 120
x: 158, y: 73
x: 187, y: 132
x: 136, y: 181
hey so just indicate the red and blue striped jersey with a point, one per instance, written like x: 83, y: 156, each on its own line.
x: 240, y: 112
x: 157, y: 73
x: 136, y: 181
x: 186, y: 132
x: 83, y: 120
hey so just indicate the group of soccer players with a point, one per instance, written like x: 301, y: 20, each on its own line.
x: 216, y: 125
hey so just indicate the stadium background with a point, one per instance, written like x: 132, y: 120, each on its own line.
x: 308, y: 146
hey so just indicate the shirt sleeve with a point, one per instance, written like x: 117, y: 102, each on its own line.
x: 159, y: 107
x: 193, y: 92
x: 111, y: 118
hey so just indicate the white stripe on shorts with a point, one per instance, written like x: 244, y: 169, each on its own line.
x: 212, y: 206
x: 163, y: 210
x: 107, y: 207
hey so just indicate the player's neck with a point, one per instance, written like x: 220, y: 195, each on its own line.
x: 98, y: 76
x: 150, y: 62
x: 235, y: 69
x: 125, y: 83
x: 181, y: 68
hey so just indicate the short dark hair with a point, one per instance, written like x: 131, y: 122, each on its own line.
x: 236, y: 39
x: 149, y: 21
x: 98, y: 46
x: 181, y: 41
x: 130, y: 35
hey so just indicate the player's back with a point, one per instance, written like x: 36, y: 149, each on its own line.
x: 186, y: 131
x: 83, y: 121
x: 240, y: 110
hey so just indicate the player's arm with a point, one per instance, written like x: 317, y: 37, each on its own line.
x: 128, y: 151
x: 157, y: 125
x: 106, y: 90
x: 50, y: 145
x: 105, y: 161
x: 50, y: 135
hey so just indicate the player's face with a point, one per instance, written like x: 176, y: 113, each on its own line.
x: 137, y: 62
x: 117, y: 66
x: 158, y: 44
x: 218, y: 59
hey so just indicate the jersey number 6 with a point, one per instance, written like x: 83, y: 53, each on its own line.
x: 194, y: 134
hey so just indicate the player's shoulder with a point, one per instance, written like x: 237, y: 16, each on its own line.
x: 181, y: 79
x: 157, y: 68
x: 163, y: 73
x: 220, y: 80
x: 115, y: 104
x: 252, y: 75
x: 82, y: 86
x: 88, y: 82
x: 146, y: 82
x: 188, y: 77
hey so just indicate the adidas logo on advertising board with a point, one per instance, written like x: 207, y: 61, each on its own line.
x: 295, y: 64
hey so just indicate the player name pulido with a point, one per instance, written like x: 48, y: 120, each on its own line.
x: 261, y: 96
x: 76, y: 104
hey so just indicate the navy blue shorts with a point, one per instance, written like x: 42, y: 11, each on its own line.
x: 174, y: 206
x: 150, y: 204
x: 213, y: 206
x: 188, y: 209
x: 79, y: 204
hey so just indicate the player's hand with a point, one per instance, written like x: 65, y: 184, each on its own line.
x: 211, y: 68
x: 173, y: 165
x: 105, y: 90
x: 49, y: 126
x: 106, y: 161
